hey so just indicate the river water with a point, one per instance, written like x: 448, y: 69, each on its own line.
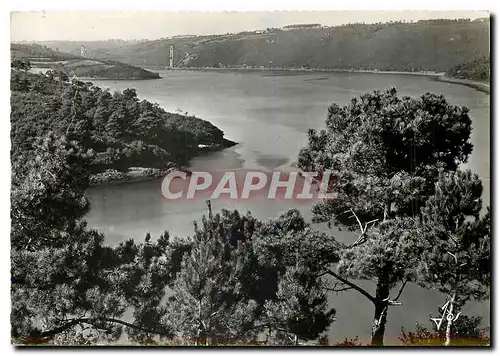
x: 268, y: 114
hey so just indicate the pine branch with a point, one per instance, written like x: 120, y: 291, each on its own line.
x: 339, y: 290
x: 352, y: 285
x: 338, y: 287
x: 46, y: 335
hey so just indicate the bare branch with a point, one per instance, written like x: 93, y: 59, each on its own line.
x: 354, y: 286
x: 362, y: 237
x: 391, y: 302
x: 452, y: 255
x: 395, y: 300
x: 453, y: 239
x: 359, y: 221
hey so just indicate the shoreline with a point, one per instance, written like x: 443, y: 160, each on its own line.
x: 306, y: 70
x: 130, y: 78
x: 113, y: 177
x: 141, y: 174
x: 480, y: 86
x: 43, y: 70
x: 437, y: 76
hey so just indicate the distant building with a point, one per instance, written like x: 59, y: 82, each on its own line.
x: 183, y: 36
x: 82, y: 51
x: 307, y: 26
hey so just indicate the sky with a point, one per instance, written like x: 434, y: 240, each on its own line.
x: 129, y: 25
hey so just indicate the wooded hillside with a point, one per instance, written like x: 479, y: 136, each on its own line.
x: 430, y: 45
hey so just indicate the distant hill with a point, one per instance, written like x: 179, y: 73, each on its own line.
x: 73, y: 47
x: 430, y: 45
x: 36, y: 52
x: 44, y: 57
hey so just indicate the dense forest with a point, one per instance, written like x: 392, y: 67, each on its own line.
x: 428, y: 45
x: 117, y: 129
x: 414, y: 215
x: 72, y: 65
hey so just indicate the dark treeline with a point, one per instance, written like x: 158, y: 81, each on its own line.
x: 120, y: 130
x: 414, y: 215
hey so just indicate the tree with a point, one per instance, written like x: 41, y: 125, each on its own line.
x: 114, y: 126
x: 19, y: 82
x: 300, y: 309
x: 457, y: 256
x: 146, y: 270
x: 26, y: 65
x: 21, y: 64
x: 148, y: 125
x: 208, y: 304
x: 292, y: 260
x: 51, y: 180
x: 66, y: 285
x: 385, y: 154
x: 54, y: 73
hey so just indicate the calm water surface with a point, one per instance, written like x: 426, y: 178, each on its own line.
x: 269, y: 115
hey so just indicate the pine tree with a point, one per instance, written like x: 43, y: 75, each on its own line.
x: 207, y: 305
x: 292, y: 261
x: 114, y: 126
x: 384, y: 154
x: 300, y: 309
x: 67, y: 287
x: 457, y: 254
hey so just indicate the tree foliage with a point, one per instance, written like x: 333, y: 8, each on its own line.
x: 295, y: 257
x: 300, y: 309
x: 59, y: 267
x: 208, y: 303
x: 457, y: 238
x: 67, y: 286
x: 21, y: 64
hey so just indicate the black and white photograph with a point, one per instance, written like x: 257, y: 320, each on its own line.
x: 261, y: 179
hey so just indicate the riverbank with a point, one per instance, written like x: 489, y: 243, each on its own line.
x: 117, y: 78
x: 133, y: 175
x: 43, y: 70
x: 309, y: 70
x: 480, y: 86
x: 140, y: 174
